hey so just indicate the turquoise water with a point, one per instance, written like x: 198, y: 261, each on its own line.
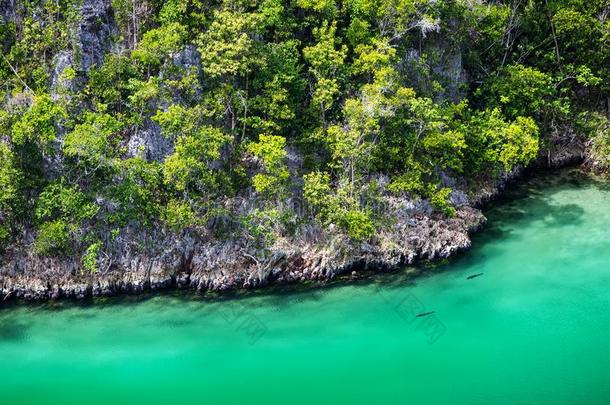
x: 533, y: 329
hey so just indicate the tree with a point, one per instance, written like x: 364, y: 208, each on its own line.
x: 159, y: 43
x: 271, y: 150
x: 520, y: 91
x: 38, y: 123
x: 138, y: 193
x: 194, y: 166
x: 495, y: 144
x: 90, y: 144
x: 227, y: 47
x: 326, y: 66
x: 10, y: 179
x: 61, y: 211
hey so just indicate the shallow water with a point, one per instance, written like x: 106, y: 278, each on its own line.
x: 534, y: 328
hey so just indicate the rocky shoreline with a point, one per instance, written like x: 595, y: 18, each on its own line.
x: 194, y: 263
x: 199, y: 267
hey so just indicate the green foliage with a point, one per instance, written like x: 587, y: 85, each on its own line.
x: 322, y: 6
x: 179, y: 215
x: 91, y: 143
x: 53, y: 238
x: 520, y: 91
x: 198, y: 145
x: 262, y: 226
x: 597, y: 127
x: 440, y: 201
x: 190, y: 167
x: 61, y: 201
x: 227, y: 47
x: 28, y: 44
x: 272, y: 152
x: 326, y: 59
x: 9, y: 178
x: 358, y: 224
x: 407, y: 90
x: 138, y: 193
x: 337, y: 208
x: 317, y: 191
x: 38, y: 123
x: 410, y: 181
x: 61, y: 211
x: 110, y: 85
x: 10, y: 185
x: 90, y: 259
x: 499, y: 144
x: 157, y: 44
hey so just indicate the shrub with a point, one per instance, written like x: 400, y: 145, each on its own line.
x: 53, y: 238
x: 440, y: 201
x: 60, y: 201
x: 316, y: 190
x: 272, y: 151
x: 358, y: 224
x: 38, y: 123
x: 179, y: 215
x: 90, y: 259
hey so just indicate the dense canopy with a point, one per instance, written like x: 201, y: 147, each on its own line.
x: 164, y: 112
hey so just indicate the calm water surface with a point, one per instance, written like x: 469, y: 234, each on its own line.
x: 533, y: 329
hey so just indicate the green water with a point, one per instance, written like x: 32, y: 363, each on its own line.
x: 534, y: 328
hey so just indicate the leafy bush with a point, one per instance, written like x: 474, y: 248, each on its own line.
x: 440, y: 200
x: 179, y: 215
x: 272, y: 151
x: 90, y: 143
x: 261, y: 225
x: 139, y: 193
x: 61, y: 201
x: 38, y: 123
x: 90, y: 259
x: 316, y: 191
x: 62, y: 211
x: 53, y: 238
x: 159, y: 43
x: 358, y: 224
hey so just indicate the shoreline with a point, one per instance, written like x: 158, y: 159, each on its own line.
x: 428, y: 241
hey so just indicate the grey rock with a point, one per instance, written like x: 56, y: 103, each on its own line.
x: 61, y: 85
x: 183, y: 63
x: 149, y: 143
x: 7, y: 10
x: 459, y: 198
x: 444, y: 59
x: 95, y: 32
x: 188, y: 58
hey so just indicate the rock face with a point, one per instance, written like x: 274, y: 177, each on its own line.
x: 7, y: 10
x: 188, y: 59
x: 60, y: 83
x: 445, y: 61
x: 149, y: 143
x: 95, y: 32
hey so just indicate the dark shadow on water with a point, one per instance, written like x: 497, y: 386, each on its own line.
x: 12, y: 330
x: 567, y: 214
x: 533, y: 200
